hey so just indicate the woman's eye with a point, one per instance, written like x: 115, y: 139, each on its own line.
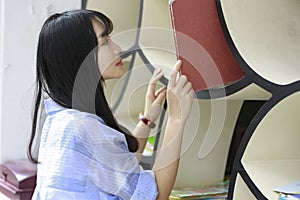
x: 106, y: 42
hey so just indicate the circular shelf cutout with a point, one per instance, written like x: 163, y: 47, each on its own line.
x: 267, y: 36
x: 272, y: 155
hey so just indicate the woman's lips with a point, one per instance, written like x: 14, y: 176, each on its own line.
x: 120, y: 63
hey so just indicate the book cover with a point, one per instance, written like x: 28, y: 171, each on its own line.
x: 293, y: 197
x: 289, y: 196
x: 213, y: 191
x: 292, y: 188
x: 289, y: 191
x: 201, y: 44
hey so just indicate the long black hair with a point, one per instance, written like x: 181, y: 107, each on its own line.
x: 67, y: 68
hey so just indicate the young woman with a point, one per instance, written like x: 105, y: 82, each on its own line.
x: 83, y: 152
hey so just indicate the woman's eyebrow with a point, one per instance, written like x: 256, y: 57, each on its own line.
x: 100, y: 35
x: 103, y: 34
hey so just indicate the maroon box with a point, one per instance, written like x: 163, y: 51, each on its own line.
x: 18, y: 179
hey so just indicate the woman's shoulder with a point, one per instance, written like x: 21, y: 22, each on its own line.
x: 85, y: 116
x: 83, y: 122
x: 56, y: 110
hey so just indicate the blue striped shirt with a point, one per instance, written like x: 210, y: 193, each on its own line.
x: 80, y: 157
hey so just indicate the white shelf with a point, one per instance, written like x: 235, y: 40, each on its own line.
x: 277, y: 135
x: 251, y: 92
x: 161, y: 59
x: 272, y: 156
x: 242, y: 190
x: 267, y: 35
x: 270, y: 174
x: 124, y: 14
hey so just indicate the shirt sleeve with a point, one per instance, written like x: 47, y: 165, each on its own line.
x: 112, y: 168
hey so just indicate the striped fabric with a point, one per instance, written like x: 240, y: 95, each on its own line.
x: 82, y: 158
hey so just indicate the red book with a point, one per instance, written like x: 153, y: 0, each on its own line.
x: 201, y: 44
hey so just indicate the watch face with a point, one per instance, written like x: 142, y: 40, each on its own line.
x: 146, y: 121
x: 151, y: 125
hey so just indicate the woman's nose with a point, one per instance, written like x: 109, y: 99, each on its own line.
x: 117, y: 49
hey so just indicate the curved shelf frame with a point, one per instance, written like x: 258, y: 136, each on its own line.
x: 279, y: 92
x: 278, y: 95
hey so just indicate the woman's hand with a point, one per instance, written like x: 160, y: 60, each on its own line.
x: 154, y: 99
x: 151, y: 111
x: 180, y: 98
x: 179, y: 95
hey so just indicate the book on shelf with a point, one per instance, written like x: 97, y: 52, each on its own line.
x: 216, y: 191
x: 289, y: 196
x: 293, y: 196
x: 201, y: 45
x: 289, y: 191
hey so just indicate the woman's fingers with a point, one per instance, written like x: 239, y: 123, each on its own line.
x: 160, y: 90
x: 176, y: 69
x: 157, y: 75
x: 181, y: 82
x: 191, y: 92
x: 187, y: 87
x: 180, y: 95
x: 154, y: 99
x: 156, y: 105
x: 160, y: 95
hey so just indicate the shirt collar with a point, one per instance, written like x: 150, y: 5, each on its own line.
x: 51, y: 106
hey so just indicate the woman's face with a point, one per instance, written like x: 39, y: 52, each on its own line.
x: 109, y: 60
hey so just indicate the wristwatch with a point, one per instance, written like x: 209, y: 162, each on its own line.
x: 146, y: 121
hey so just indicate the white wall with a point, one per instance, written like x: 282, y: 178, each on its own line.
x: 1, y: 63
x: 19, y: 28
